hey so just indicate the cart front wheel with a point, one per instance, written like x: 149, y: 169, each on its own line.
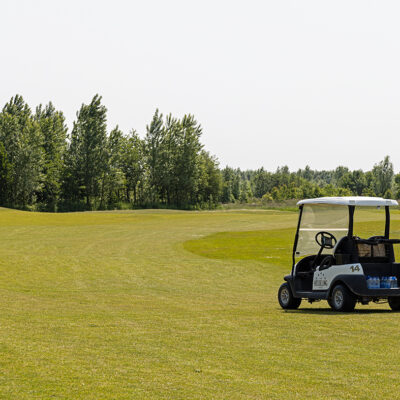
x: 394, y: 303
x: 286, y: 299
x: 342, y: 299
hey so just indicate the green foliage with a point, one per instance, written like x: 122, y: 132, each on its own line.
x: 153, y: 149
x: 54, y: 134
x: 383, y: 174
x: 87, y: 153
x: 22, y: 139
x: 133, y: 167
x: 43, y: 167
x: 396, y: 187
x: 285, y: 185
x: 210, y: 182
x: 180, y: 173
x: 5, y: 175
x: 231, y: 185
x: 112, y: 181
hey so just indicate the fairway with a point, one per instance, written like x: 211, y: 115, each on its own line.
x: 177, y: 305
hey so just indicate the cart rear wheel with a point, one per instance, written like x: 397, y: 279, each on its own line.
x: 342, y: 299
x: 394, y: 303
x: 286, y: 299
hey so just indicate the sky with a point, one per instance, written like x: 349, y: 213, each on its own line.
x: 272, y: 82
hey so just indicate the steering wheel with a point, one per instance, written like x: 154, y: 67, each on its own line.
x: 325, y: 240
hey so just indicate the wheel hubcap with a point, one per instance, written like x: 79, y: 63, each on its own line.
x: 285, y: 296
x: 338, y: 298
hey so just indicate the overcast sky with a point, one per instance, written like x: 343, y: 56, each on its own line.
x: 271, y: 82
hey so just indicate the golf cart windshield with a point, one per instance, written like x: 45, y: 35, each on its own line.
x: 315, y: 218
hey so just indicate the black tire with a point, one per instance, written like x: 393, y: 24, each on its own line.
x: 342, y: 299
x: 286, y: 299
x: 394, y: 303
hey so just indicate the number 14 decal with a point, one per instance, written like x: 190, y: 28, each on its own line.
x: 354, y: 268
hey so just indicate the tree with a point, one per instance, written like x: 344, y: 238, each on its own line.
x: 354, y: 181
x: 383, y: 174
x: 154, y: 134
x: 169, y: 152
x: 245, y: 192
x: 132, y: 165
x: 22, y: 140
x: 172, y: 160
x: 113, y: 179
x: 5, y: 176
x: 54, y: 134
x: 263, y: 182
x: 186, y: 161
x: 397, y: 186
x: 339, y: 173
x: 231, y: 179
x: 209, y: 185
x: 86, y: 161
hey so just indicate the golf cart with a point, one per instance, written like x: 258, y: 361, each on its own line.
x: 334, y: 264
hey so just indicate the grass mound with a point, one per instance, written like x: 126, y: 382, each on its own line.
x: 273, y: 246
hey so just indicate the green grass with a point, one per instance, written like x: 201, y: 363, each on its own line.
x: 176, y: 305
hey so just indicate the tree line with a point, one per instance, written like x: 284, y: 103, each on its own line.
x: 283, y: 184
x: 45, y: 167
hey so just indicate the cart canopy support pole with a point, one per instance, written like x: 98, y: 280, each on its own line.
x: 296, y: 238
x: 351, y: 221
x: 387, y: 222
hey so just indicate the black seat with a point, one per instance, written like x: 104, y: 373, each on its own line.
x: 345, y: 251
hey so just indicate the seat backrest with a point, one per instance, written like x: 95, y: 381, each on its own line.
x: 345, y: 251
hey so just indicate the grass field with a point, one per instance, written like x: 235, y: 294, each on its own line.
x: 176, y: 305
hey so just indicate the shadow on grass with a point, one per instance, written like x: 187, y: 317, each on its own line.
x: 328, y: 311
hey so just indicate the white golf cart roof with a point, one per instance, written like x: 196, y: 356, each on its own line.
x: 351, y: 201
